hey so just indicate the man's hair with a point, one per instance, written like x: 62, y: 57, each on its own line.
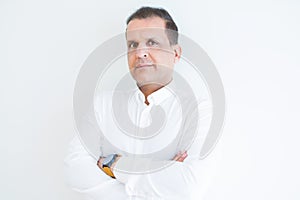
x: 148, y: 12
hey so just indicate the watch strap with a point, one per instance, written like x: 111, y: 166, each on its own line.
x: 106, y: 167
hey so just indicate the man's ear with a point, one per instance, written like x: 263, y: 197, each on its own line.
x: 177, y: 50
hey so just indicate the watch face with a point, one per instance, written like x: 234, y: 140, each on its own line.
x: 108, y: 159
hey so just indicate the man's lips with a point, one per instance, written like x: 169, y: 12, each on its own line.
x: 143, y: 65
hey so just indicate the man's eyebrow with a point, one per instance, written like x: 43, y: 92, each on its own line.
x: 147, y: 39
x: 130, y: 41
x: 152, y: 38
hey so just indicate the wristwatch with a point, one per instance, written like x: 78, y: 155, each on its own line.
x: 107, y: 162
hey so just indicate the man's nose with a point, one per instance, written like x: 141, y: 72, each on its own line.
x: 142, y: 52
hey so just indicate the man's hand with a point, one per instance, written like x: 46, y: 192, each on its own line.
x: 100, y: 163
x: 180, y: 156
x: 113, y: 165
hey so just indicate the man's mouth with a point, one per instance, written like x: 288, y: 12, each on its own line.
x: 144, y: 65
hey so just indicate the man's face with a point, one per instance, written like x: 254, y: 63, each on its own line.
x: 151, y: 58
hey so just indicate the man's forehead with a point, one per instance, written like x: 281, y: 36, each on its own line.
x: 146, y: 33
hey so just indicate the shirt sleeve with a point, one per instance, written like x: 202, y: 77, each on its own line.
x: 84, y: 176
x: 180, y: 180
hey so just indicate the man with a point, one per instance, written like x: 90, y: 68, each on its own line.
x: 176, y: 173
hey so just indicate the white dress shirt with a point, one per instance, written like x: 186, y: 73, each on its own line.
x: 142, y: 153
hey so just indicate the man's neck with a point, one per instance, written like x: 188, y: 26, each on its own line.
x: 148, y: 89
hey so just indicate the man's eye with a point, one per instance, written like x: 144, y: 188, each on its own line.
x: 132, y: 45
x: 152, y: 43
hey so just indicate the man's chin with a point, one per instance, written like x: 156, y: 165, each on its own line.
x: 144, y: 77
x: 142, y: 83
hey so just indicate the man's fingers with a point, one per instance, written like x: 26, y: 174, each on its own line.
x: 180, y: 156
x: 176, y: 157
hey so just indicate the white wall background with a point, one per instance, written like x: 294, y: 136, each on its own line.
x: 254, y: 44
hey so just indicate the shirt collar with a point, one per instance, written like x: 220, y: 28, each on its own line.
x: 158, y: 96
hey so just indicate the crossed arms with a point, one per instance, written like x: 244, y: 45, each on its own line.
x: 186, y: 177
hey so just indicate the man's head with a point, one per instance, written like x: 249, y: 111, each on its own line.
x: 152, y: 38
x: 148, y: 12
